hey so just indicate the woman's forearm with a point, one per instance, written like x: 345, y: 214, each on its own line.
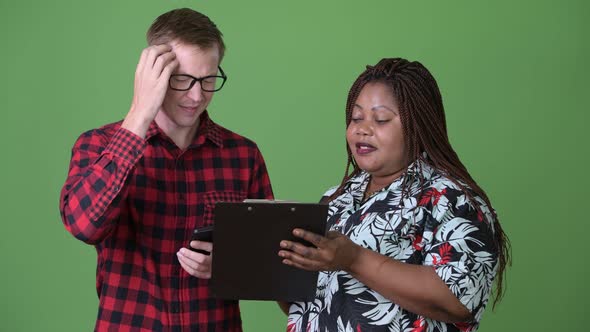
x: 416, y: 288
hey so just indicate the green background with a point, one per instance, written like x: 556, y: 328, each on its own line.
x: 514, y: 77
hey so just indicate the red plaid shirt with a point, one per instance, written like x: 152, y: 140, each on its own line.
x: 138, y: 202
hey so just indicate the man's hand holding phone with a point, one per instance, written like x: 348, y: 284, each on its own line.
x: 201, y: 234
x: 156, y: 64
x: 196, y: 259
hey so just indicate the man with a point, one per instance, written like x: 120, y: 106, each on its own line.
x: 136, y: 189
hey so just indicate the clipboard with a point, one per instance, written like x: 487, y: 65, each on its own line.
x: 245, y: 261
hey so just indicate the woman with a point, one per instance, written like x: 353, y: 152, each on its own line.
x: 414, y: 244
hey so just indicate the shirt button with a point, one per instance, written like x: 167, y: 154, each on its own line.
x: 175, y: 308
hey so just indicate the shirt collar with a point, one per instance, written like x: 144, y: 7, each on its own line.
x: 207, y: 130
x: 419, y: 169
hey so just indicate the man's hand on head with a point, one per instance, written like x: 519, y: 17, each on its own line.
x: 156, y: 64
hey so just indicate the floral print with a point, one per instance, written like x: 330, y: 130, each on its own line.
x: 433, y: 223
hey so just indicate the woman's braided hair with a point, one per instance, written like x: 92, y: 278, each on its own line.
x: 424, y: 127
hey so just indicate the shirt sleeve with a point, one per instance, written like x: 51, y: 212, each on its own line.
x: 462, y: 250
x: 260, y: 187
x: 95, y: 186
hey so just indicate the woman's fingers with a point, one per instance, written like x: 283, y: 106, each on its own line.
x: 316, y: 239
x: 293, y: 259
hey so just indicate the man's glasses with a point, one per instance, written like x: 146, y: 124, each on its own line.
x: 184, y: 82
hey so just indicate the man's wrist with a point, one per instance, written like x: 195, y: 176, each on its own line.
x: 136, y: 123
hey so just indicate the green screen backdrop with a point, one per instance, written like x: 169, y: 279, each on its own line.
x: 514, y: 78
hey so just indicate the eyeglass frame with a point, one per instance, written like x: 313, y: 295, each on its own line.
x: 196, y: 79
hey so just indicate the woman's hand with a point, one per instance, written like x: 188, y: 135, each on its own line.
x: 333, y: 252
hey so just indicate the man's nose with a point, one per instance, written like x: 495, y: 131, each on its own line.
x: 195, y: 92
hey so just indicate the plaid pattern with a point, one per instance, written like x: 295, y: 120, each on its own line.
x: 138, y: 202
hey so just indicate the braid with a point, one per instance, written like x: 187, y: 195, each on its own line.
x: 424, y: 128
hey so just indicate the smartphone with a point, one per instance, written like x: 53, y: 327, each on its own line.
x: 202, y: 234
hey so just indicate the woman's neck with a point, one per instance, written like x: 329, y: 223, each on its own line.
x: 379, y: 182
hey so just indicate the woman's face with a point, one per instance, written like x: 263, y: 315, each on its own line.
x: 374, y: 134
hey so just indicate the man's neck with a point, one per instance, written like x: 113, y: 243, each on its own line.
x: 181, y: 136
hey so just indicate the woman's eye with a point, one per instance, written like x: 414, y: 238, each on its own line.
x: 382, y: 121
x: 355, y: 120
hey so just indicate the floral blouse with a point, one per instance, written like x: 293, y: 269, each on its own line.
x: 433, y: 224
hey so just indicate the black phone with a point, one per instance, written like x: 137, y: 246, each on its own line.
x: 202, y: 234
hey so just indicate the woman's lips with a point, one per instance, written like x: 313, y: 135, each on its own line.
x: 364, y: 148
